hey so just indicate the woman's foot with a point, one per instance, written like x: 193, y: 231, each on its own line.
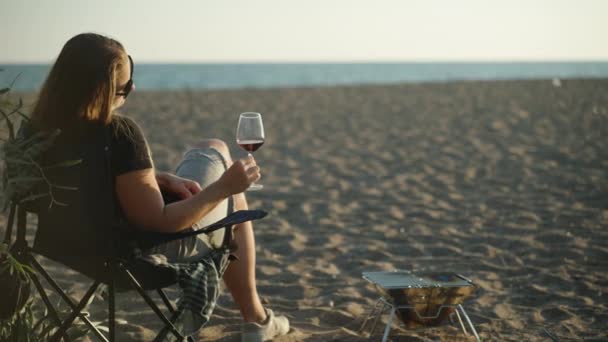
x: 272, y: 327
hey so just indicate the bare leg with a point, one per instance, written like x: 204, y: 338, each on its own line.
x: 240, y: 275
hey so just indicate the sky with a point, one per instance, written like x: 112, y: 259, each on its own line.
x: 226, y: 31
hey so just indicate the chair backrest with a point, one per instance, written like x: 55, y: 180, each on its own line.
x: 78, y: 229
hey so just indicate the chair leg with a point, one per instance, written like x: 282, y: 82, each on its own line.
x: 173, y: 312
x: 175, y: 315
x: 151, y: 303
x: 53, y: 313
x: 57, y: 288
x: 76, y: 312
x: 112, y: 312
x: 163, y: 332
x: 166, y: 300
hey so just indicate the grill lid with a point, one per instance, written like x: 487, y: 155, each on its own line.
x: 401, y: 279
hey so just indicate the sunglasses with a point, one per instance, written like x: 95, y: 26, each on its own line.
x: 129, y: 86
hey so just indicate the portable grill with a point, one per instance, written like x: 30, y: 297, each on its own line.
x: 420, y: 299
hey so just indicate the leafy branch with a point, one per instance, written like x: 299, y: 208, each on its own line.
x: 35, y: 324
x: 12, y: 265
x: 24, y: 179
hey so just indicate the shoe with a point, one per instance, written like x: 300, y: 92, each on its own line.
x: 273, y: 326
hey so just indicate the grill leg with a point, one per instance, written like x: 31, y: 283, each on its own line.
x: 464, y: 329
x: 378, y: 317
x: 464, y: 313
x: 388, y: 324
x: 369, y: 317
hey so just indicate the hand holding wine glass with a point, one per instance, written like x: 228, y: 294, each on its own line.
x: 239, y: 176
x: 250, y: 137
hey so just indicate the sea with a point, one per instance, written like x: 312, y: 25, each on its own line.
x: 29, y: 77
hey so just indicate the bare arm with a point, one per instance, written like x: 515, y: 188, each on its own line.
x: 141, y: 200
x: 177, y: 186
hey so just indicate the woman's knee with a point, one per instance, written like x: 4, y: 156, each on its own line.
x: 218, y: 145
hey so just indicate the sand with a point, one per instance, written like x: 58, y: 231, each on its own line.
x: 503, y: 182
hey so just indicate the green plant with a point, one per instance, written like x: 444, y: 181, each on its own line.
x: 34, y: 324
x: 24, y: 180
x: 10, y: 264
x: 16, y: 284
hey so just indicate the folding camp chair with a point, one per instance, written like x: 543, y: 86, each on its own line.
x: 116, y: 272
x: 95, y: 243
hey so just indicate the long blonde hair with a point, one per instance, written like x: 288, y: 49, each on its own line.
x: 81, y: 84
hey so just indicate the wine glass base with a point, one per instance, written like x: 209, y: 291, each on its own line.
x: 255, y: 187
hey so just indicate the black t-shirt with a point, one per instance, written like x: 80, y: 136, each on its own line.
x: 81, y: 225
x: 130, y: 151
x: 129, y: 148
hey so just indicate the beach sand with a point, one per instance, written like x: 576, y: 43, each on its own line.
x: 503, y: 182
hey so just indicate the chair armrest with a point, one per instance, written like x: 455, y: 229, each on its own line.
x: 147, y: 240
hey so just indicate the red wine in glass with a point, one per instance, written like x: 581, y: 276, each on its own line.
x: 250, y: 145
x: 250, y: 136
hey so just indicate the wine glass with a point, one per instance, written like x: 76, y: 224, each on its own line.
x: 250, y: 137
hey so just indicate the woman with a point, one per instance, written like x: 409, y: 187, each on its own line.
x: 91, y: 78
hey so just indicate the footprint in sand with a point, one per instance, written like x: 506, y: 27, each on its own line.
x: 555, y: 314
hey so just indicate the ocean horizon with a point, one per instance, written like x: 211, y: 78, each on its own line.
x: 157, y: 76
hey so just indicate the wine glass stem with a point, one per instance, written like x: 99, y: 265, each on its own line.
x: 254, y: 186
